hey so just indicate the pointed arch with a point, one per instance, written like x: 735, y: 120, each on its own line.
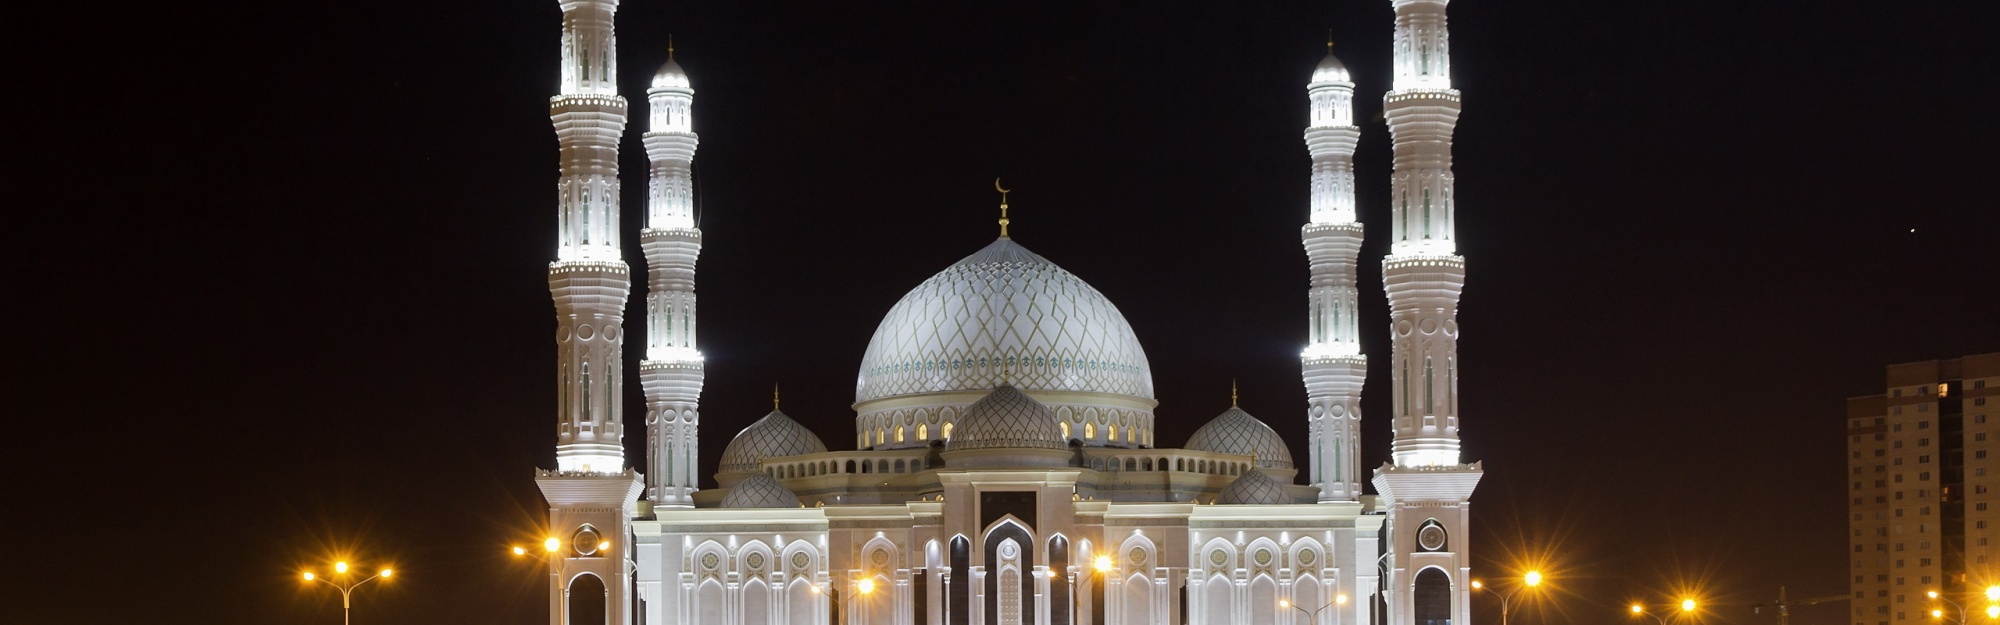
x: 1138, y: 603
x: 756, y: 608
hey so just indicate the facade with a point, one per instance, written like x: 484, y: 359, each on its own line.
x: 1923, y: 462
x: 1005, y: 468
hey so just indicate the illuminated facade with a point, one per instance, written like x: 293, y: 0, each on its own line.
x: 1005, y: 470
x: 1924, y: 495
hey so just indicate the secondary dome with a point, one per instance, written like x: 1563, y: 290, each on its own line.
x: 760, y: 491
x: 671, y: 75
x: 1330, y: 69
x: 1236, y: 432
x: 774, y: 436
x: 1003, y: 312
x: 1007, y: 418
x: 1254, y: 487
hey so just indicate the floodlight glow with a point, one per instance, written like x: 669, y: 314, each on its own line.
x: 1638, y: 609
x: 1993, y: 593
x: 309, y: 576
x: 1104, y: 564
x: 867, y: 586
x: 1284, y: 604
x: 551, y: 544
x: 1687, y: 605
x: 388, y: 572
x: 520, y: 551
x: 1476, y: 585
x: 604, y: 546
x: 340, y: 567
x: 1340, y: 599
x: 1993, y: 611
x: 1533, y: 578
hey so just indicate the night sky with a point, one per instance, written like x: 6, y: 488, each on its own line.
x: 279, y: 267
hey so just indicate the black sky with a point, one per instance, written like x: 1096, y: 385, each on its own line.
x: 279, y: 267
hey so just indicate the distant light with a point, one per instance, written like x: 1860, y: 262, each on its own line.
x: 1340, y: 599
x: 604, y: 546
x: 1534, y: 578
x: 867, y: 586
x: 388, y: 572
x: 309, y: 576
x: 1687, y: 605
x: 552, y: 544
x: 1993, y: 611
x: 1993, y: 593
x: 1104, y: 563
x: 340, y: 567
x: 1284, y: 604
x: 1638, y: 609
x: 1936, y: 613
x: 1476, y: 585
x: 520, y: 551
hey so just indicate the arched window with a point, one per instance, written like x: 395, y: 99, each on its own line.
x: 946, y: 431
x: 1111, y: 433
x: 1432, y: 598
x: 587, y: 600
x: 1065, y: 429
x: 1089, y: 430
x: 899, y: 433
x: 923, y: 432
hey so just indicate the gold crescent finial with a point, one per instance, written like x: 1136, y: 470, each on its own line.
x: 670, y: 46
x: 1232, y: 392
x: 774, y: 397
x: 1329, y: 40
x: 1003, y: 206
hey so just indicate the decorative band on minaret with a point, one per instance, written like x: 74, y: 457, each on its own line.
x: 672, y: 372
x: 589, y: 279
x: 1334, y: 367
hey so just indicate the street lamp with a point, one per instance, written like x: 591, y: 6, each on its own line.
x: 347, y: 589
x: 1992, y: 609
x: 1312, y: 618
x: 1530, y: 580
x: 1687, y: 606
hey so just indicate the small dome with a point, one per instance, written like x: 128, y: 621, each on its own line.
x: 760, y: 491
x: 774, y: 436
x: 670, y: 75
x: 1007, y: 417
x: 1236, y: 432
x: 1255, y: 488
x: 1330, y: 70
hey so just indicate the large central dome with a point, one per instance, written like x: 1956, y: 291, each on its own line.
x: 1004, y: 312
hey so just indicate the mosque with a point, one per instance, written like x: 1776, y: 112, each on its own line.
x: 1005, y: 470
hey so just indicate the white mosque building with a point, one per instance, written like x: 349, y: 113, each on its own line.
x: 1005, y: 469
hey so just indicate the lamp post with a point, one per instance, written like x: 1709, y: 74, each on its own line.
x: 1992, y: 608
x: 346, y: 590
x: 1531, y: 580
x: 1312, y: 618
x: 1687, y: 606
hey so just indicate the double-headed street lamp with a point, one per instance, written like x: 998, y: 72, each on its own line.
x: 1530, y: 580
x: 1312, y: 618
x: 1992, y: 608
x: 346, y: 589
x: 1687, y: 606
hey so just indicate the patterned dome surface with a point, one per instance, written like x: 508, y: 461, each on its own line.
x: 1007, y: 417
x: 760, y: 491
x: 774, y: 436
x: 1254, y: 487
x: 1236, y: 432
x: 1330, y: 69
x: 1003, y: 310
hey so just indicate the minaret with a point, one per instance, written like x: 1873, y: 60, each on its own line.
x: 591, y: 495
x: 1333, y: 364
x: 1426, y: 486
x: 672, y: 371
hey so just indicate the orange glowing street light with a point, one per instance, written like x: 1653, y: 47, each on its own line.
x: 340, y: 568
x: 1687, y: 606
x: 1531, y: 579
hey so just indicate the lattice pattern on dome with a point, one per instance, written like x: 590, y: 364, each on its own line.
x: 1002, y: 310
x: 774, y: 436
x: 1236, y: 432
x: 1254, y: 487
x: 760, y: 491
x: 1007, y: 417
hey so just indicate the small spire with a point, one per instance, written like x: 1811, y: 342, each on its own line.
x: 1006, y: 373
x: 670, y: 44
x: 1003, y: 206
x: 774, y: 397
x: 1329, y: 43
x: 1232, y: 392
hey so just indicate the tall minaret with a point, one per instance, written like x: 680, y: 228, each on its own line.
x: 1426, y: 487
x: 1333, y: 363
x: 591, y: 495
x: 672, y: 372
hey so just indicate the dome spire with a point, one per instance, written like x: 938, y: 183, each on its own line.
x: 1232, y: 393
x: 774, y: 397
x: 1003, y: 206
x: 670, y: 44
x: 1329, y: 43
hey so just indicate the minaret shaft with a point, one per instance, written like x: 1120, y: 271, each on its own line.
x: 672, y: 373
x: 1332, y: 364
